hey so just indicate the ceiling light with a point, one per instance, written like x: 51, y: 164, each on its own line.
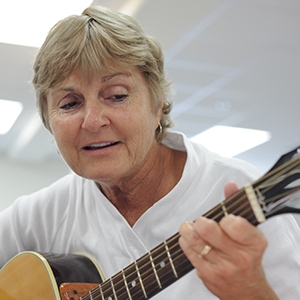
x: 231, y: 141
x: 28, y: 22
x: 131, y: 7
x: 9, y: 112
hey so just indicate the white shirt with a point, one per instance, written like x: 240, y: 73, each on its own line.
x: 72, y: 215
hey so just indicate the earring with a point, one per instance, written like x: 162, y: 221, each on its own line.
x: 159, y: 129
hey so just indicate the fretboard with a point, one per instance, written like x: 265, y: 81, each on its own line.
x: 164, y: 264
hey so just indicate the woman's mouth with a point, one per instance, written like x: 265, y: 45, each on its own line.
x: 100, y: 146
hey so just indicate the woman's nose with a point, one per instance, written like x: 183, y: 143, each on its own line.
x: 95, y: 117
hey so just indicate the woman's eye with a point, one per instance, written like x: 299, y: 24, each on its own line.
x: 118, y: 97
x: 69, y: 105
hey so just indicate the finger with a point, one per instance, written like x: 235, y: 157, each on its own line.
x: 211, y: 233
x: 230, y: 189
x: 200, y: 264
x: 193, y: 245
x: 191, y: 237
x: 242, y: 232
x: 223, y: 245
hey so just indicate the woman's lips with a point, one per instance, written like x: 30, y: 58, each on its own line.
x: 97, y: 146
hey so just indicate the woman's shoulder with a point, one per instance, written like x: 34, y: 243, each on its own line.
x: 61, y: 186
x: 205, y: 161
x: 57, y: 195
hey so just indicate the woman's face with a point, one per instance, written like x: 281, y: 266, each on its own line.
x: 104, y: 127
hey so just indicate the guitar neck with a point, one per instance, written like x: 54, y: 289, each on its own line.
x: 166, y: 263
x: 148, y: 275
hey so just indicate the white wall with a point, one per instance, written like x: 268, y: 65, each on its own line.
x: 19, y: 178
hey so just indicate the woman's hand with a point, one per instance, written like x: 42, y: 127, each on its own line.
x: 231, y: 268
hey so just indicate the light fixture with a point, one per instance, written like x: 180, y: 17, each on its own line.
x: 28, y: 22
x: 9, y: 112
x: 231, y: 141
x: 131, y: 7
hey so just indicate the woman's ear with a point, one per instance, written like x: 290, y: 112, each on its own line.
x: 160, y: 107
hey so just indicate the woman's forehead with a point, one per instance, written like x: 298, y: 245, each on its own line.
x: 81, y: 78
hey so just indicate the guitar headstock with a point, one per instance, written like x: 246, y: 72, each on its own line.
x: 278, y: 191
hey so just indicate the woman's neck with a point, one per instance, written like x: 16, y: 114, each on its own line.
x: 135, y: 196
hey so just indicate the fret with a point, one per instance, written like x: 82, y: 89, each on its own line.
x: 113, y: 289
x: 217, y: 213
x: 170, y: 260
x: 148, y: 275
x: 260, y: 217
x: 133, y: 283
x: 179, y: 261
x: 140, y: 280
x: 105, y: 290
x: 90, y: 294
x: 237, y: 205
x: 224, y: 208
x: 146, y: 278
x: 154, y: 269
x: 126, y: 285
x: 101, y: 292
x: 240, y: 206
x: 166, y: 261
x: 119, y: 286
x: 168, y: 257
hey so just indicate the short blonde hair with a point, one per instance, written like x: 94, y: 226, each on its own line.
x: 90, y: 42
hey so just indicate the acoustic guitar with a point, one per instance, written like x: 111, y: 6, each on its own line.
x: 32, y: 275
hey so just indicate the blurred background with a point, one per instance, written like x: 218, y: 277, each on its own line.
x: 234, y: 63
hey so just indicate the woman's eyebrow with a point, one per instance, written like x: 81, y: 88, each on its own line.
x: 67, y: 89
x: 61, y: 89
x: 109, y: 77
x: 103, y: 80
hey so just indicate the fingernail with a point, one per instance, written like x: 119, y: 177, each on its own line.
x: 190, y: 225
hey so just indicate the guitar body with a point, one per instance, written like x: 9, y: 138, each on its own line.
x: 31, y: 275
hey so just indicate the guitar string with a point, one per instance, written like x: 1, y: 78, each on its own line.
x: 170, y: 271
x: 283, y: 194
x: 227, y: 200
x: 293, y: 165
x: 143, y: 297
x: 290, y: 168
x: 249, y: 209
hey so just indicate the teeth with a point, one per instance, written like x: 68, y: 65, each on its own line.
x: 101, y: 145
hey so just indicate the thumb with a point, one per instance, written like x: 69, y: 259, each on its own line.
x: 230, y: 189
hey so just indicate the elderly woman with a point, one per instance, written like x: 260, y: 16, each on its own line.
x: 103, y: 94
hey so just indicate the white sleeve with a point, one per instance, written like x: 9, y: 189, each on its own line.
x: 10, y: 239
x: 31, y: 222
x: 281, y: 259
